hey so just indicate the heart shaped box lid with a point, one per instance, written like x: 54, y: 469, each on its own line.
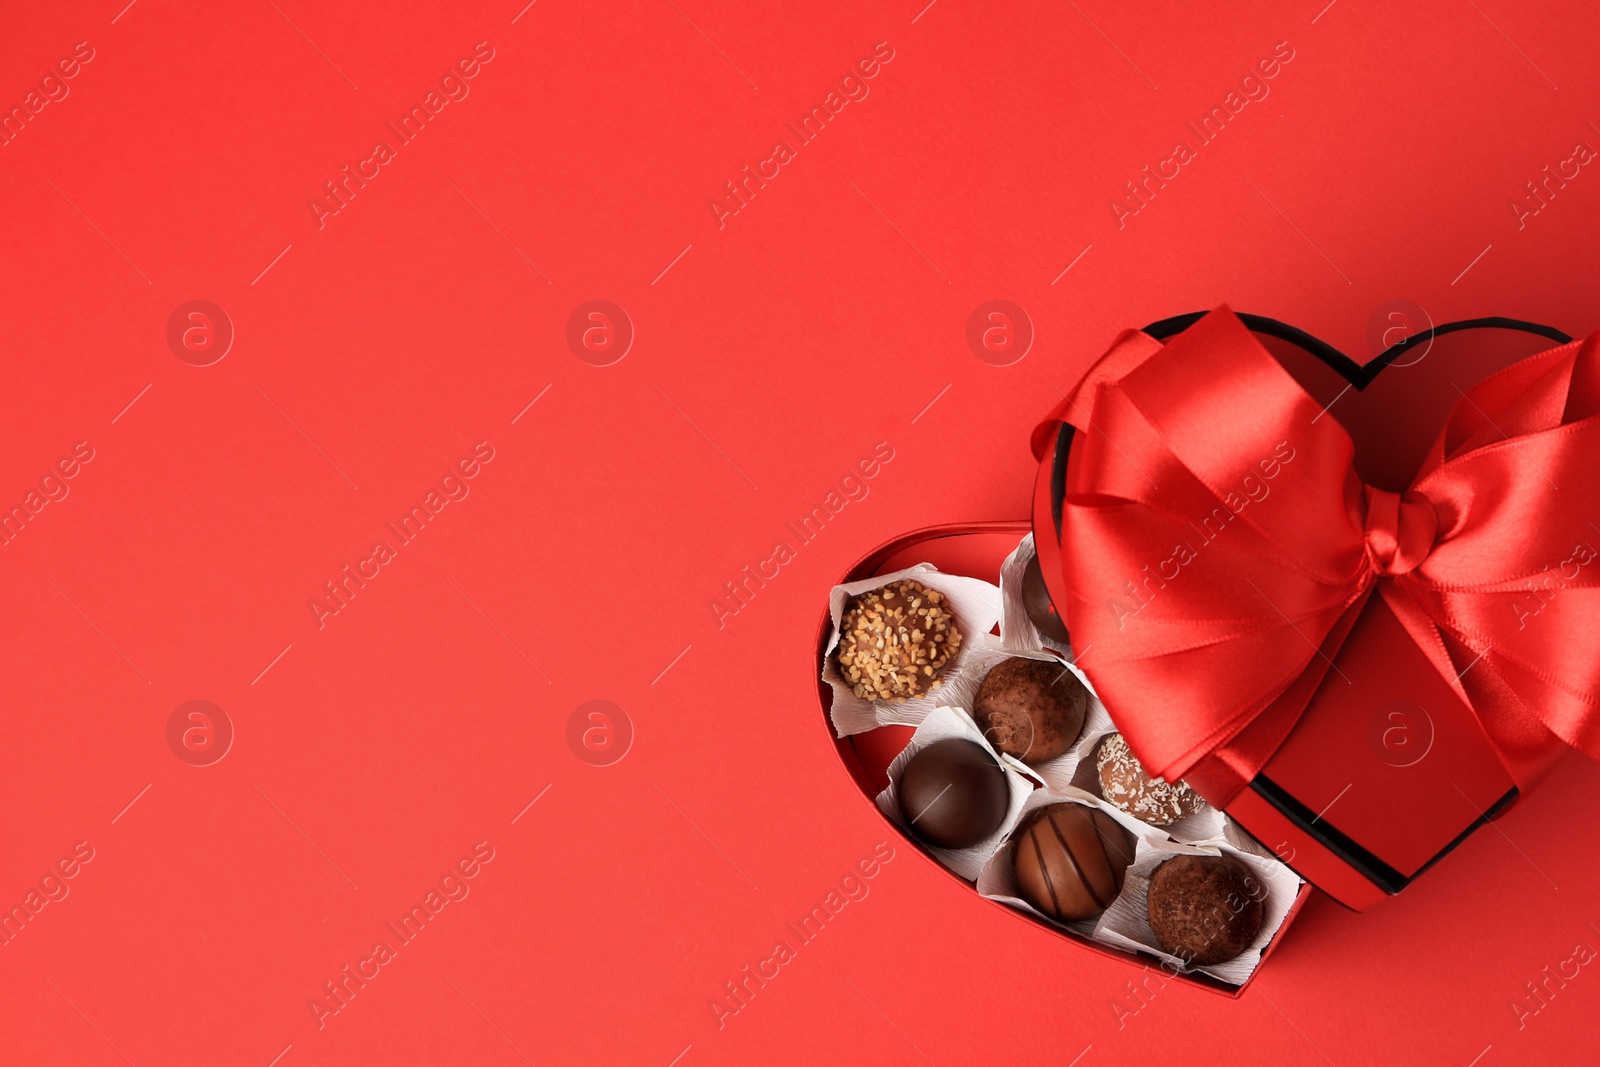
x: 1388, y: 770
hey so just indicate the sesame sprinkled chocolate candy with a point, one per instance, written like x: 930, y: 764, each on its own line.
x: 1123, y: 782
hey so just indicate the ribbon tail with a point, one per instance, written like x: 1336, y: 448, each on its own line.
x: 1131, y: 348
x: 1520, y: 736
x: 1223, y: 773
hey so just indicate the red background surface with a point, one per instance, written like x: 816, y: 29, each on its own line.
x: 770, y: 355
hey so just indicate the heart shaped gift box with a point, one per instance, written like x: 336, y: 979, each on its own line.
x: 1339, y: 732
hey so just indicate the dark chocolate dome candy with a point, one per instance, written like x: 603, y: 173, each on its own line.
x: 953, y: 793
x: 1031, y: 709
x: 1070, y: 860
x: 1036, y: 602
x: 1205, y: 909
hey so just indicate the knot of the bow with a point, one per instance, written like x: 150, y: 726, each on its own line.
x: 1400, y: 531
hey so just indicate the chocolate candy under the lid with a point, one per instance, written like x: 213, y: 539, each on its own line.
x: 1123, y: 782
x: 1205, y: 909
x: 1070, y: 860
x: 1038, y: 605
x: 895, y: 642
x: 953, y: 793
x: 1031, y: 709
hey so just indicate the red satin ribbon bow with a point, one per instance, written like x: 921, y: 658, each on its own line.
x: 1219, y: 546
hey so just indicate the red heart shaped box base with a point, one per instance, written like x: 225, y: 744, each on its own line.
x: 976, y: 550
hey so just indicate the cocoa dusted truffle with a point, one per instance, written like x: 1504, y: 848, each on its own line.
x: 1124, y: 783
x: 1032, y: 709
x: 1070, y: 860
x: 1205, y: 909
x: 953, y: 793
x: 894, y: 642
x: 1036, y: 602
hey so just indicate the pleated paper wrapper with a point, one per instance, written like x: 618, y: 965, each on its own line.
x: 1125, y: 923
x: 1017, y: 630
x: 1059, y: 772
x: 942, y: 724
x: 976, y: 607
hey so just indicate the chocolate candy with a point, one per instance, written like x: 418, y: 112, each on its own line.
x: 1070, y: 860
x: 894, y: 642
x: 1124, y: 783
x: 1032, y: 709
x: 1036, y: 602
x: 1205, y: 909
x: 953, y: 793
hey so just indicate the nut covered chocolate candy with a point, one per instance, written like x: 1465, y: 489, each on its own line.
x: 894, y: 642
x: 1070, y: 860
x: 1205, y: 909
x: 1031, y: 709
x: 953, y: 793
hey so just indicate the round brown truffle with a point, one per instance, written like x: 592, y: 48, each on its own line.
x: 1124, y: 783
x: 1032, y: 709
x: 1070, y: 860
x: 894, y: 642
x: 953, y: 793
x: 1205, y: 909
x: 1040, y: 609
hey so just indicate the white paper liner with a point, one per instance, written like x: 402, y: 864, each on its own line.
x: 1125, y: 924
x: 942, y: 724
x: 1206, y: 826
x: 976, y: 606
x: 998, y: 879
x: 1233, y: 834
x: 1017, y: 630
x: 1057, y: 773
x: 1074, y: 776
